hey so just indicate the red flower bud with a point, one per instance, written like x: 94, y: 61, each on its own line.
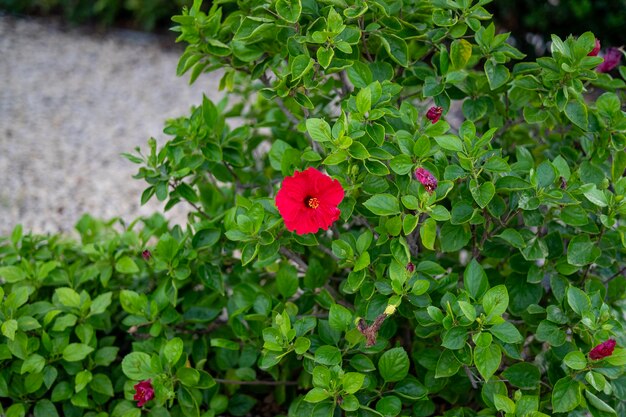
x: 603, y: 350
x: 595, y: 50
x: 143, y: 392
x: 410, y: 267
x: 434, y: 114
x: 427, y: 179
x: 612, y: 57
x: 146, y: 254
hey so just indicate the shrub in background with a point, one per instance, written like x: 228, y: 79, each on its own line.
x: 541, y: 17
x: 392, y: 214
x: 143, y: 14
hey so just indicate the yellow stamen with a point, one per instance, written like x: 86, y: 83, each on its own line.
x: 313, y: 203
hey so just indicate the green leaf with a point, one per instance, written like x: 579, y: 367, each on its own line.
x: 575, y: 360
x: 453, y: 237
x: 83, y: 378
x: 383, y: 205
x: 576, y: 112
x: 33, y: 364
x: 523, y: 375
x: 125, y: 265
x: 102, y: 384
x: 599, y: 404
x: 483, y: 194
x: 574, y: 216
x: 319, y: 130
x: 566, y: 395
x: 487, y: 360
x: 328, y: 355
x: 447, y: 365
x: 475, y: 279
x: 316, y: 395
x: 393, y: 365
x: 12, y: 274
x: 173, y: 350
x: 496, y: 301
x: 460, y: 53
x: 289, y: 10
x: 469, y: 311
x: 497, y: 74
x: 359, y: 74
x: 364, y: 100
x: 287, y: 280
x: 45, y: 408
x: 513, y: 237
x: 339, y: 317
x: 68, y: 297
x: 551, y: 333
x: 401, y: 164
x: 389, y: 406
x: 428, y: 233
x: 324, y: 56
x: 352, y: 382
x: 454, y: 338
x: 597, y: 197
x: 396, y: 47
x: 75, y: 352
x: 100, y: 303
x: 450, y: 143
x: 582, y: 251
x: 362, y: 363
x: 301, y: 345
x: 136, y: 366
x: 9, y: 328
x: 506, y: 332
x: 504, y: 403
x: 188, y: 376
x: 578, y: 300
x: 206, y: 238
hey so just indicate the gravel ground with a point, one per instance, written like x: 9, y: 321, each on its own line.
x: 70, y: 103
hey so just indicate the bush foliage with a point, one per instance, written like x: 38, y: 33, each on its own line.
x: 476, y: 267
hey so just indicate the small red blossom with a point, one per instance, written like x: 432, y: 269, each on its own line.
x: 410, y: 267
x: 603, y: 350
x: 612, y: 57
x: 146, y: 254
x: 595, y: 50
x: 427, y: 179
x: 308, y: 201
x: 143, y: 392
x: 434, y: 114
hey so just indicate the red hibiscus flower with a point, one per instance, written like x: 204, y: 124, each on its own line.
x: 612, y: 57
x: 434, y: 114
x: 308, y: 201
x: 595, y: 50
x: 143, y: 392
x: 603, y: 350
x: 427, y: 179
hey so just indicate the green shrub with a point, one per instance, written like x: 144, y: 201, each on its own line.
x: 476, y: 266
x: 142, y: 14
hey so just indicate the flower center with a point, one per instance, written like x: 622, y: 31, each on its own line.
x: 312, y: 202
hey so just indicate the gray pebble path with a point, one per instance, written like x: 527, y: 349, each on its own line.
x: 70, y: 104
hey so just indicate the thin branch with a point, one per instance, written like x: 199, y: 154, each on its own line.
x: 294, y: 258
x: 471, y: 377
x: 192, y: 204
x: 615, y: 275
x: 279, y: 101
x: 270, y: 383
x: 345, y: 84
